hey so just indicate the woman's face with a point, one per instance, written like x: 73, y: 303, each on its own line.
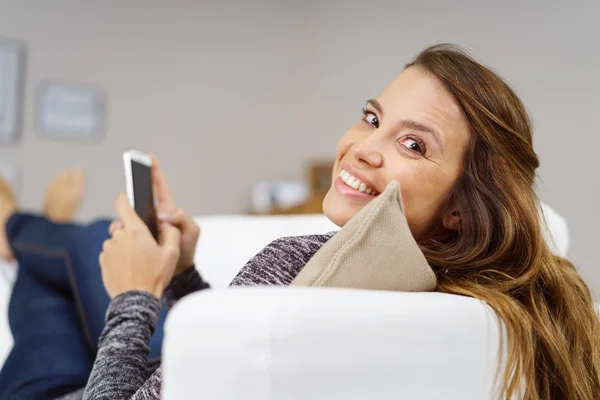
x: 414, y: 132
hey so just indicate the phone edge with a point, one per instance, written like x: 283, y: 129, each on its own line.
x: 129, y: 156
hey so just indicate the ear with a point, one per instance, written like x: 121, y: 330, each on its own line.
x: 451, y: 219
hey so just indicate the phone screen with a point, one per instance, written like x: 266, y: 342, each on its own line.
x: 143, y: 195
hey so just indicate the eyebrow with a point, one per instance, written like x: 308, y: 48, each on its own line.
x: 408, y: 123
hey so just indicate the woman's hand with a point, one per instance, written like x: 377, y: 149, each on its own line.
x: 133, y: 260
x: 189, y: 237
x: 167, y: 211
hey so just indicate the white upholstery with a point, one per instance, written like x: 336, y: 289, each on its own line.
x: 242, y: 322
x: 5, y: 335
x: 300, y: 343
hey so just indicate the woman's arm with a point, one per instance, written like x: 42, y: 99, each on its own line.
x: 135, y: 271
x: 121, y: 365
x: 183, y: 284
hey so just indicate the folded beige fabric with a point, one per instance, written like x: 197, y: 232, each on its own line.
x: 375, y: 250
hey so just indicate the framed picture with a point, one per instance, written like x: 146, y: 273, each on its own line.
x: 12, y: 68
x: 71, y: 111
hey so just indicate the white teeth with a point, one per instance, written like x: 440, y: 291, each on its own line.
x: 355, y: 183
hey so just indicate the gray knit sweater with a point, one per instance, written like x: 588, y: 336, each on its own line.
x: 121, y: 369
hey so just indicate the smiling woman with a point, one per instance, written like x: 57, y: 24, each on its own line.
x: 459, y: 142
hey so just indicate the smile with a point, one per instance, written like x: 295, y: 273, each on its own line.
x: 355, y: 183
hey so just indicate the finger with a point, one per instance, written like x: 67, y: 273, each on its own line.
x: 169, y: 236
x: 105, y: 245
x: 117, y: 235
x: 181, y: 220
x: 127, y: 215
x: 162, y: 191
x: 114, y: 226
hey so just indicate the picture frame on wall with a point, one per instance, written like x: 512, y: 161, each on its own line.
x: 70, y: 111
x: 12, y: 74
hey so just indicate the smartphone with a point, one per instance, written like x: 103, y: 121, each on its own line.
x: 138, y: 179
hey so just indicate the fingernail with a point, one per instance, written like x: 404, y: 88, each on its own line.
x: 163, y: 216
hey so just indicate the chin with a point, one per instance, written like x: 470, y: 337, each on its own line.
x: 335, y: 209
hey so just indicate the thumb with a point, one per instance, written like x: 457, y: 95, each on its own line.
x: 170, y: 236
x: 126, y: 213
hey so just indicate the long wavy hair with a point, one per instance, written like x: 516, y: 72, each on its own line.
x: 499, y: 254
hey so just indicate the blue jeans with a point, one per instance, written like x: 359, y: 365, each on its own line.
x: 57, y: 308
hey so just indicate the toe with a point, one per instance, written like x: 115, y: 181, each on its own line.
x: 74, y: 174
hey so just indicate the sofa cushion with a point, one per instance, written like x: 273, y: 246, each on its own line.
x: 375, y: 250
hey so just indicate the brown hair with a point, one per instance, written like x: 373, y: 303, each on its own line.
x: 499, y: 254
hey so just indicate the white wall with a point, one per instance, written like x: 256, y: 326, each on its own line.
x: 236, y: 91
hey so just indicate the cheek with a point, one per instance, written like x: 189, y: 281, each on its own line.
x: 344, y: 145
x: 422, y: 193
x: 346, y: 142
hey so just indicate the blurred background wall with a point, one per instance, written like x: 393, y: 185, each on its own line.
x: 232, y: 92
x: 216, y: 89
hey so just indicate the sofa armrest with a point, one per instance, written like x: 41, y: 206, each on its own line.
x: 318, y: 343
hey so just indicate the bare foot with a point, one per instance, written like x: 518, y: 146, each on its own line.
x: 8, y: 205
x: 64, y: 194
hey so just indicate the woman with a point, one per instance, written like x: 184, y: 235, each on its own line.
x: 459, y: 141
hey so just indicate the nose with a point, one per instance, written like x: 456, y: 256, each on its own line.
x: 367, y: 151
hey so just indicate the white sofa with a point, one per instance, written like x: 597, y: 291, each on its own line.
x: 301, y: 343
x: 284, y: 343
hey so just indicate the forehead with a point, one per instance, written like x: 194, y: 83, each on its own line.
x: 420, y: 96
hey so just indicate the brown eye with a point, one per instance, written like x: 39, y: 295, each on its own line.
x: 370, y: 118
x: 413, y: 145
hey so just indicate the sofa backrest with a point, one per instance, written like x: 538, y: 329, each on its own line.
x: 227, y: 242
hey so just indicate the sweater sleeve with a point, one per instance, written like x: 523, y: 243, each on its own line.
x: 183, y: 284
x: 121, y: 365
x: 121, y: 368
x: 281, y: 261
